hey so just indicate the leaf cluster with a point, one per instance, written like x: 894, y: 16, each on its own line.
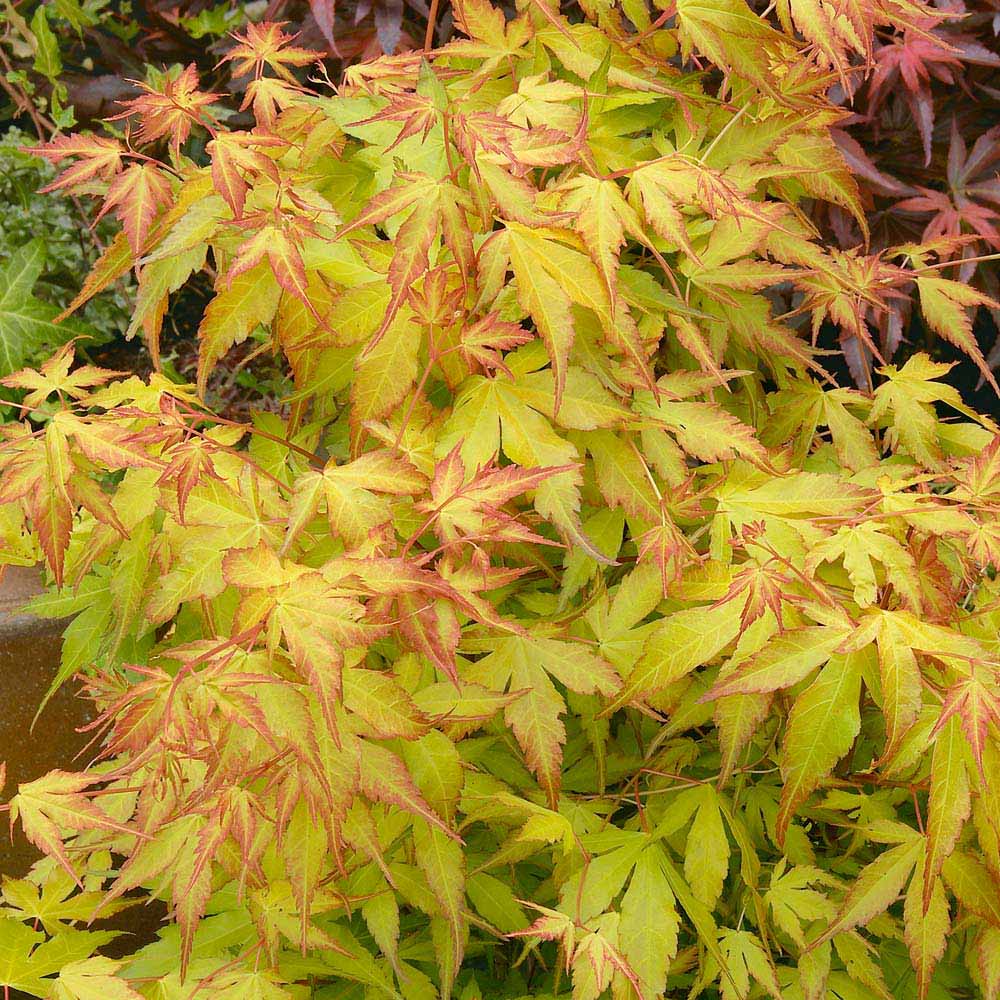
x: 567, y: 632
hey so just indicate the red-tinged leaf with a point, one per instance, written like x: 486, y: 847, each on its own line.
x: 692, y: 340
x: 88, y: 493
x: 409, y: 262
x: 535, y: 721
x: 55, y: 803
x: 192, y: 888
x: 380, y: 471
x: 623, y: 477
x: 52, y: 519
x: 56, y: 377
x: 666, y: 545
x: 944, y: 305
x: 257, y: 568
x: 172, y: 109
x: 976, y: 704
x: 137, y: 195
x: 412, y: 190
x: 431, y: 627
x: 459, y: 508
x: 98, y: 158
x: 106, y: 444
x: 282, y: 253
x: 784, y: 661
x: 384, y: 778
x: 601, y: 222
x: 653, y: 185
x: 189, y: 464
x: 876, y: 888
x: 305, y: 504
x: 547, y: 302
x: 383, y: 704
x: 235, y: 154
x: 265, y: 44
x: 453, y: 205
x: 269, y: 97
x: 987, y: 947
x: 711, y: 433
x: 384, y: 377
x: 483, y: 341
x: 318, y: 629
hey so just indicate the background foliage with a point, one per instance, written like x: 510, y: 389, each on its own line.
x: 562, y: 627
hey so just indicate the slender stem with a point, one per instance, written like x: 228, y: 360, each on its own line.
x: 725, y: 128
x: 431, y: 23
x: 957, y: 262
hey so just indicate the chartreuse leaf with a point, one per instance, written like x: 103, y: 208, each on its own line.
x: 822, y: 726
x: 92, y: 979
x: 649, y: 922
x: 681, y: 643
x: 949, y: 802
x: 28, y: 959
x: 20, y: 969
x: 876, y: 888
x: 706, y: 855
x: 926, y: 927
x: 746, y: 962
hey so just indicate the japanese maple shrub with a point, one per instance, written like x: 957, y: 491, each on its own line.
x: 570, y: 633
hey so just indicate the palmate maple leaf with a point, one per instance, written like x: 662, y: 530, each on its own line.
x: 317, y: 622
x: 355, y: 495
x: 918, y: 56
x: 237, y: 155
x: 321, y: 637
x: 852, y: 287
x: 418, y: 603
x: 668, y: 548
x: 137, y: 194
x: 973, y: 187
x: 417, y: 113
x: 976, y: 702
x: 266, y: 44
x: 473, y: 508
x: 490, y: 36
x: 90, y: 978
x: 269, y: 96
x: 173, y: 110
x: 54, y: 803
x: 57, y: 375
x: 98, y: 158
x: 527, y: 663
x: 523, y: 148
x: 483, y: 341
x: 277, y: 236
x: 431, y: 207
